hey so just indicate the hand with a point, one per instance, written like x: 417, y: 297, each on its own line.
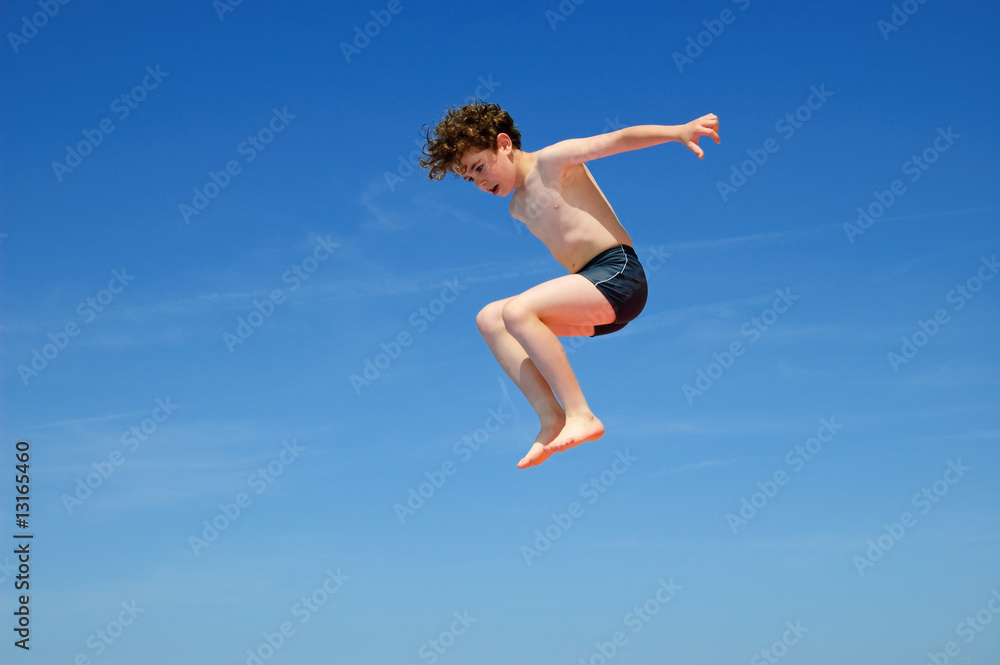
x: 706, y: 125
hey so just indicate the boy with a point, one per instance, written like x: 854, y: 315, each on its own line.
x: 557, y: 199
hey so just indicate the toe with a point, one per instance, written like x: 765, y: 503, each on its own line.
x: 562, y: 443
x: 536, y: 456
x: 529, y: 459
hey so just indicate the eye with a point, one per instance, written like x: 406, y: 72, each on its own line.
x: 479, y: 168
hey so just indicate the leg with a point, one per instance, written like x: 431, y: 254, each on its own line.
x: 515, y: 362
x: 570, y: 304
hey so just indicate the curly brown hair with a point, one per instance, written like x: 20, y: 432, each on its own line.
x: 471, y: 127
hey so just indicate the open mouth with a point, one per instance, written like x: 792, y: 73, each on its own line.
x: 496, y: 189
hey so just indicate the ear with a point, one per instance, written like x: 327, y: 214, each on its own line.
x: 504, y: 142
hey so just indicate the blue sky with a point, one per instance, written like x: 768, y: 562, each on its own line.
x: 243, y: 175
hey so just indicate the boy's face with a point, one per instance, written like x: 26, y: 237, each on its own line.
x: 492, y: 170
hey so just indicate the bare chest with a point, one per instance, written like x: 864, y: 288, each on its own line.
x: 555, y: 205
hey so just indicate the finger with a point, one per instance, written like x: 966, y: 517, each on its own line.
x: 708, y: 131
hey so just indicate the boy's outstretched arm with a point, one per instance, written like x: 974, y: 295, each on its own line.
x: 577, y: 151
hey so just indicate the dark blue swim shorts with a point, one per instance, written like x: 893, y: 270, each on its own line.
x: 617, y: 274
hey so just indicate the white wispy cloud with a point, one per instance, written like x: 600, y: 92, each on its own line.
x: 700, y: 465
x: 975, y: 435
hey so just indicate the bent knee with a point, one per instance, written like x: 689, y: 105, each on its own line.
x: 516, y: 313
x: 490, y: 319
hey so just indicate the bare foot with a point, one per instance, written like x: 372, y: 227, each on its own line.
x: 573, y: 433
x: 540, y: 450
x: 576, y: 431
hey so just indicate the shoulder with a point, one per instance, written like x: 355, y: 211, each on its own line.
x: 552, y: 161
x: 552, y: 154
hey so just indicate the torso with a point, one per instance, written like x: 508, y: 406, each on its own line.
x: 568, y: 212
